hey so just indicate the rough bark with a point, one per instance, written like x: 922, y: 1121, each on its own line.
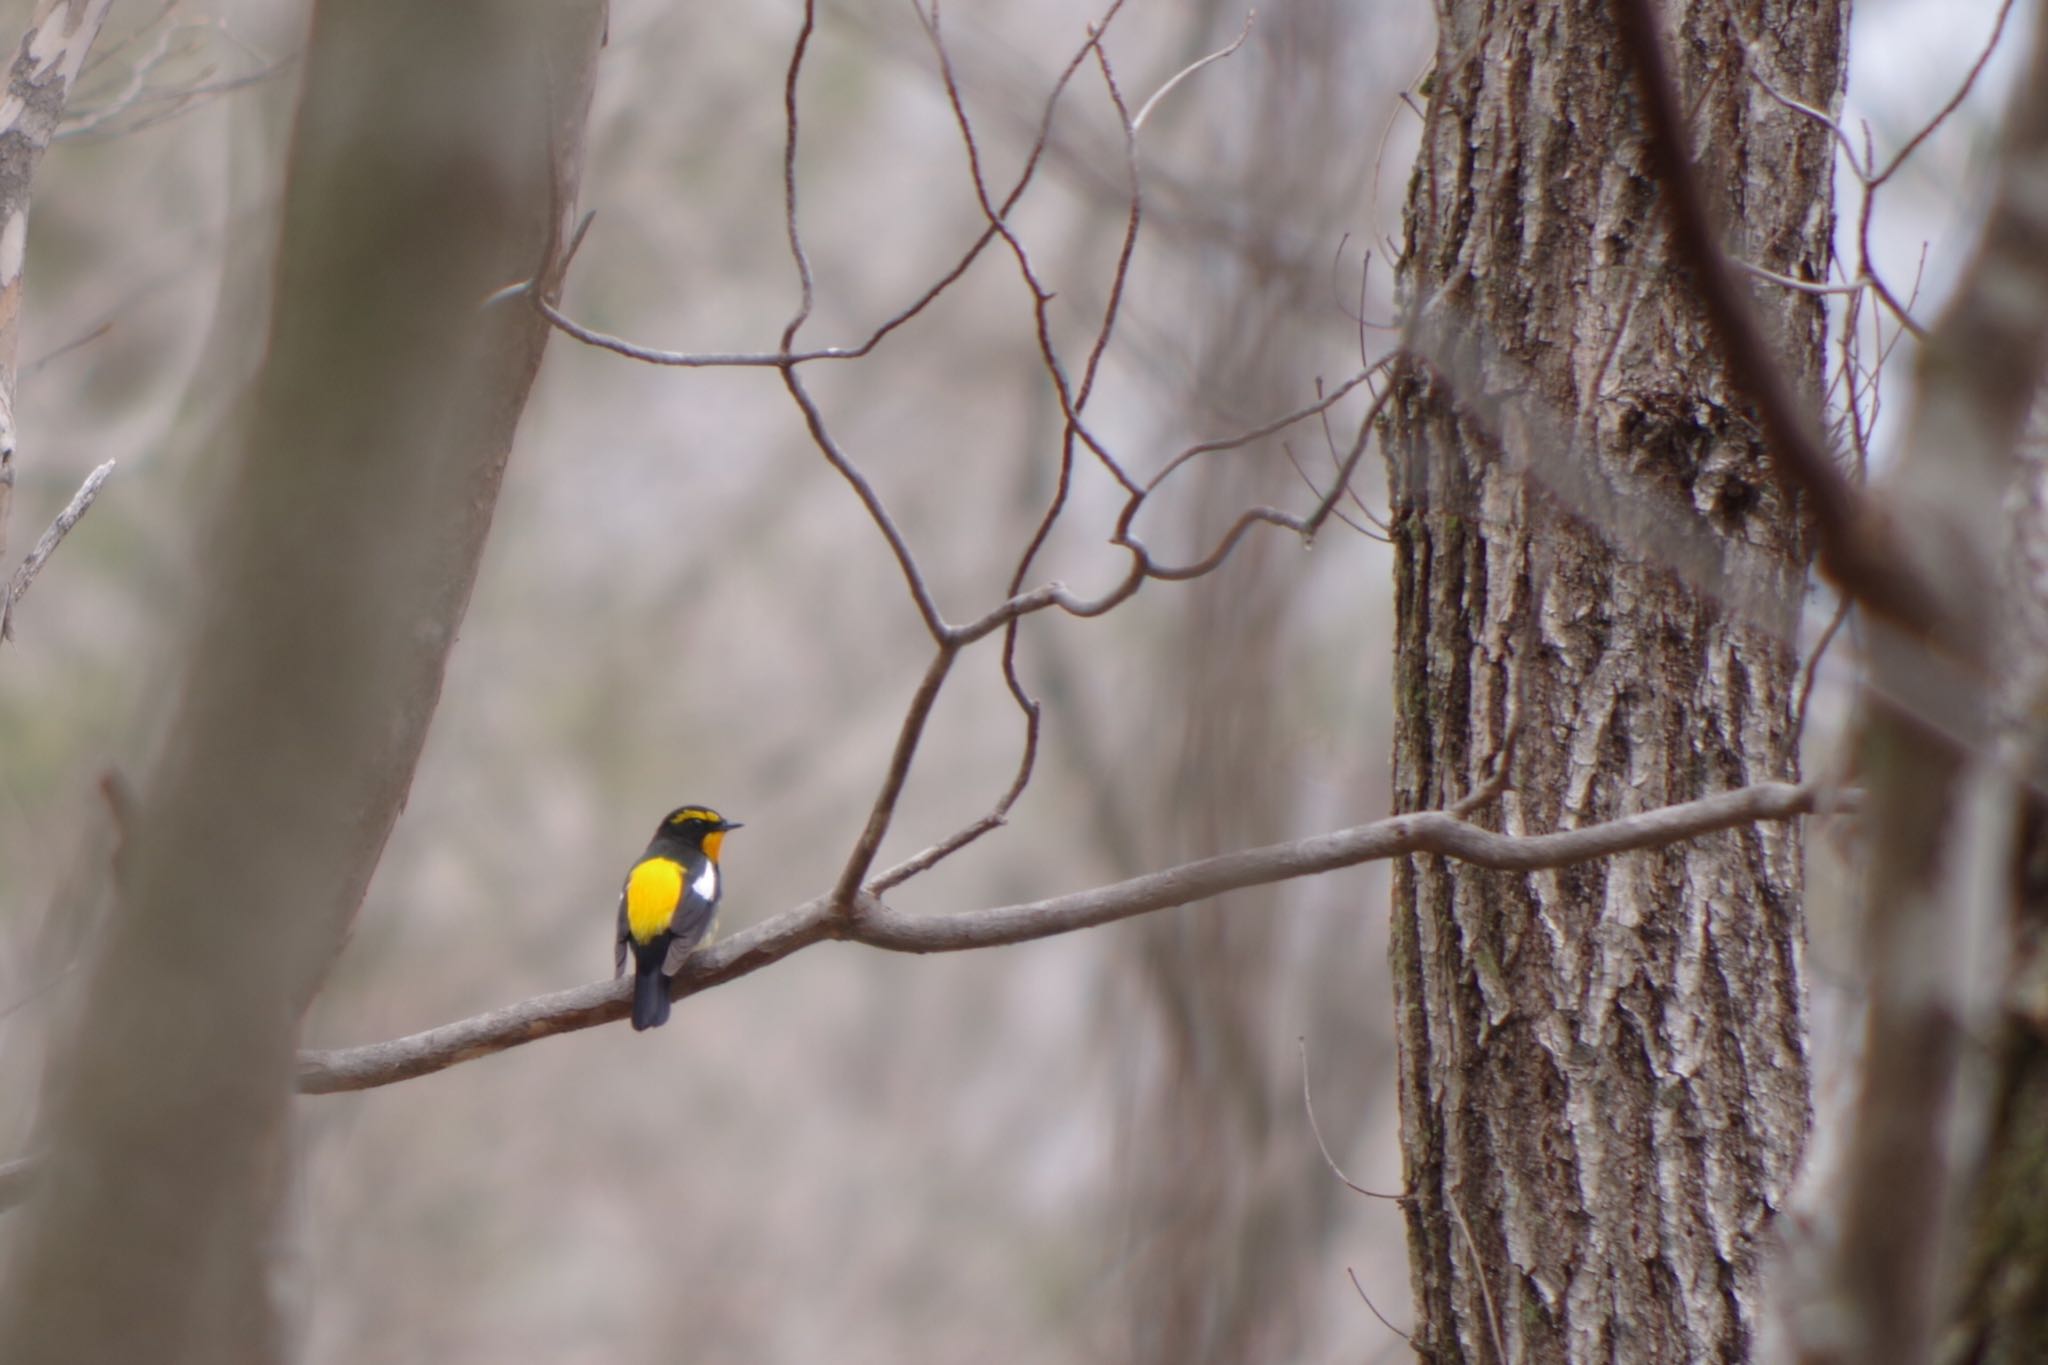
x: 433, y: 162
x: 1603, y: 1075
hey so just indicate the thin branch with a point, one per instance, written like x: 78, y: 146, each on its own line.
x: 845, y: 899
x: 996, y: 818
x: 1375, y: 1307
x: 47, y: 544
x: 1954, y: 102
x: 1073, y: 401
x: 1855, y: 286
x: 1337, y: 462
x: 1287, y: 449
x: 35, y: 367
x: 1350, y: 466
x: 1471, y: 1244
x: 1145, y: 110
x: 1322, y: 405
x: 768, y: 942
x: 997, y: 220
x: 1812, y: 669
x: 1133, y: 220
x: 797, y: 51
x: 1270, y: 516
x: 1798, y: 106
x: 951, y: 640
x: 590, y: 336
x: 1308, y: 1105
x: 1884, y: 292
x: 822, y: 438
x: 764, y: 360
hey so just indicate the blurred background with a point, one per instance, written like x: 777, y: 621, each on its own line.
x: 1093, y: 1148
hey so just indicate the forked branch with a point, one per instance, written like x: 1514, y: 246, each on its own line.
x: 880, y: 926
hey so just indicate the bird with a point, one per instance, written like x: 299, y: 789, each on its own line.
x: 668, y: 905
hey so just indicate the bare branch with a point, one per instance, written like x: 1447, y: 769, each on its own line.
x: 1855, y: 286
x: 951, y: 640
x: 39, y: 82
x: 998, y: 222
x: 1954, y: 102
x: 1811, y: 671
x: 1308, y: 1105
x: 1322, y: 405
x: 797, y: 51
x: 1073, y: 401
x: 590, y: 336
x: 47, y: 544
x: 1145, y: 110
x: 1133, y: 219
x: 828, y: 446
x: 761, y: 945
x: 1270, y: 516
x: 1287, y: 449
x: 845, y: 899
x: 1348, y: 468
x: 1375, y: 1307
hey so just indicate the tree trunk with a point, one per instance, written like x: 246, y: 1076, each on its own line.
x: 1603, y: 1073
x: 434, y: 161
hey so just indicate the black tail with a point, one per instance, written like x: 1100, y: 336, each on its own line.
x: 650, y: 996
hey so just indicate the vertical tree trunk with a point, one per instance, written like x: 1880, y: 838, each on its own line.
x: 1603, y: 1074
x: 434, y: 160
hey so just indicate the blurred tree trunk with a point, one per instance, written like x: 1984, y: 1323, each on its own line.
x: 1229, y: 1225
x: 1603, y: 1071
x: 434, y: 161
x: 1946, y: 1240
x: 1998, y: 1314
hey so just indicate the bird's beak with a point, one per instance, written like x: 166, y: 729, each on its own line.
x: 730, y: 824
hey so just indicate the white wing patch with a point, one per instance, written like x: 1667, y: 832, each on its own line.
x: 706, y: 884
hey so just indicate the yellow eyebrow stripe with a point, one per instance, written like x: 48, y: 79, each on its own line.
x: 654, y: 889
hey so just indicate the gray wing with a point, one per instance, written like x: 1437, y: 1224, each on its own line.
x: 619, y: 950
x: 696, y: 922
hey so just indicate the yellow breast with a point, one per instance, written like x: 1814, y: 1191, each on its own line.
x: 653, y: 891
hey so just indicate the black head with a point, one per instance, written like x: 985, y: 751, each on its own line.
x: 698, y: 826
